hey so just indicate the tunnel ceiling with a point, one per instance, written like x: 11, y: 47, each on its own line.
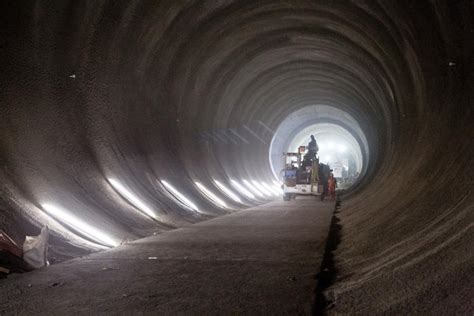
x: 156, y: 96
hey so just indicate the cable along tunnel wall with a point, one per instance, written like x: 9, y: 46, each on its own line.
x: 193, y: 92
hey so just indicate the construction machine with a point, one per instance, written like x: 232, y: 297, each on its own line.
x: 302, y: 174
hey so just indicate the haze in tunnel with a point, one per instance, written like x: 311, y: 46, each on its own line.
x: 334, y: 143
x: 338, y: 134
x: 113, y: 112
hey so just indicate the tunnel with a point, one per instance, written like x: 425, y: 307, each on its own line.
x: 121, y: 120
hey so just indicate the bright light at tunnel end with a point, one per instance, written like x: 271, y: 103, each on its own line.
x: 85, y: 229
x: 184, y: 200
x: 341, y: 141
x: 342, y: 148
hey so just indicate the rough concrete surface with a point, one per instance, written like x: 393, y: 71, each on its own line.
x: 187, y: 91
x: 261, y: 260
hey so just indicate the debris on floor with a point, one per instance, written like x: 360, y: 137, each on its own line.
x: 35, y: 249
x: 15, y: 259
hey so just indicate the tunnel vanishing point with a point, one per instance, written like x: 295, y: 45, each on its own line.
x: 123, y: 119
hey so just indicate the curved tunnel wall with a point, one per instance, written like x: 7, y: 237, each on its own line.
x: 193, y: 91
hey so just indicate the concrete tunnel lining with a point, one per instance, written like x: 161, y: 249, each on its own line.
x: 194, y: 91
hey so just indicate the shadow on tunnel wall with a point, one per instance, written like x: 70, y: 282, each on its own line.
x: 175, y: 90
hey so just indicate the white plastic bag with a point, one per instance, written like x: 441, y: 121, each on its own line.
x: 35, y: 249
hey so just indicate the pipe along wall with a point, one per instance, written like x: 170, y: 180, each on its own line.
x: 107, y: 106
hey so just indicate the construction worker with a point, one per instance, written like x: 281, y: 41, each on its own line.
x: 332, y: 185
x: 313, y: 147
x: 311, y: 154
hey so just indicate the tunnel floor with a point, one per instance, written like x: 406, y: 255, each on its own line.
x: 262, y: 259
